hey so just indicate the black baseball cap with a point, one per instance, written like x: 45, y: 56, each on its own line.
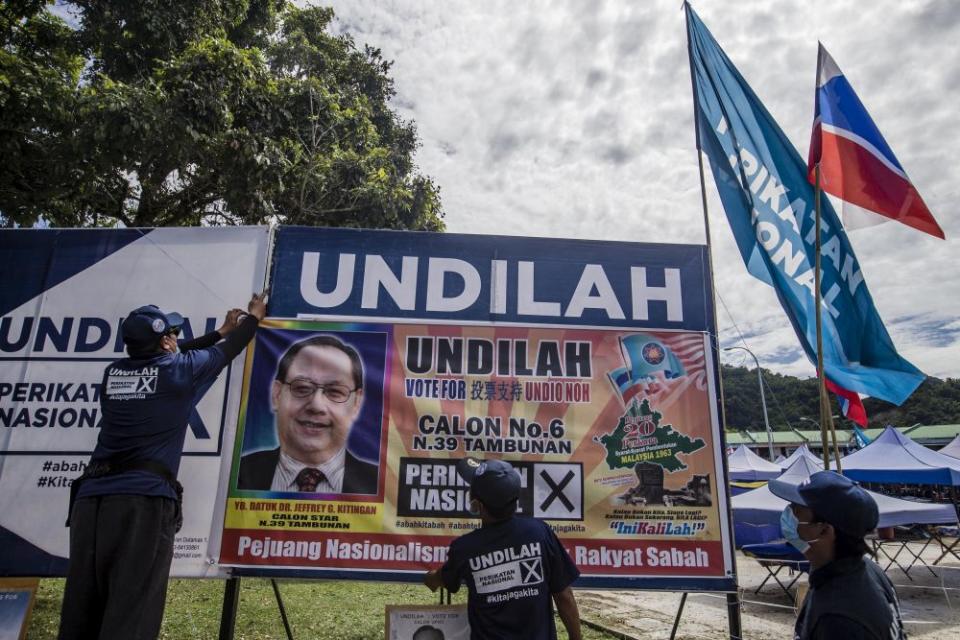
x: 837, y: 499
x: 145, y: 325
x: 495, y: 483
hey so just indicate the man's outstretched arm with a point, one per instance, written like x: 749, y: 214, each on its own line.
x: 231, y: 322
x: 569, y: 614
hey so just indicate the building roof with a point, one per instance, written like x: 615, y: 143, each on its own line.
x: 926, y: 434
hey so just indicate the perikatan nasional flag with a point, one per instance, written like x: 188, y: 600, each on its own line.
x: 762, y: 182
x: 856, y: 163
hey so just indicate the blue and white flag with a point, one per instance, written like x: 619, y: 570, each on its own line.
x: 646, y: 356
x: 762, y: 182
x: 657, y: 365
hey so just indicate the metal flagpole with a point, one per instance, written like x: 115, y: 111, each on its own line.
x: 833, y: 437
x: 733, y: 600
x: 826, y: 413
x: 816, y: 298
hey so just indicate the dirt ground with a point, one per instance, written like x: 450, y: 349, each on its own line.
x: 930, y: 604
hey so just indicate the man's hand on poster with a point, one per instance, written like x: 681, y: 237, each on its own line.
x: 257, y: 307
x: 230, y: 322
x: 432, y: 579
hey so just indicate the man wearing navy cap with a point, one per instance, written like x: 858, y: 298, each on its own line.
x: 850, y: 597
x: 513, y: 566
x: 125, y: 508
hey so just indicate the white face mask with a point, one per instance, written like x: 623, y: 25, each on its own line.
x: 788, y: 525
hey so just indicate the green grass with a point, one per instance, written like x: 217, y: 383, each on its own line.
x: 320, y: 609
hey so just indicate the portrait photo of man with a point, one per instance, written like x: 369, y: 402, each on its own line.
x: 317, y: 397
x: 427, y: 632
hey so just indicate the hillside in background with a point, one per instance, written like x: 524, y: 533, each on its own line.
x: 789, y: 399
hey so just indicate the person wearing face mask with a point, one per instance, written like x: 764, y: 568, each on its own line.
x: 513, y: 566
x: 850, y: 598
x: 125, y: 508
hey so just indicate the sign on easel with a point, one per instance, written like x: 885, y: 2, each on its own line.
x: 16, y: 603
x: 427, y: 622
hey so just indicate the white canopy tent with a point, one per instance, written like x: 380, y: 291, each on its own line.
x: 760, y: 506
x: 802, y: 452
x: 745, y: 465
x: 952, y: 449
x: 896, y: 459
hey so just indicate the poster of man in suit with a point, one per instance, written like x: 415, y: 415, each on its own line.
x: 313, y: 421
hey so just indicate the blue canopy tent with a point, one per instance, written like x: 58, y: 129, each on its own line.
x: 893, y: 458
x: 745, y: 465
x: 756, y: 514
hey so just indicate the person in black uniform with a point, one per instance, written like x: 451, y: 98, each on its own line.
x: 125, y: 508
x: 850, y: 598
x: 316, y: 397
x: 513, y: 566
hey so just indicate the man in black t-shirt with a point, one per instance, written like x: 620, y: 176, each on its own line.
x: 513, y: 566
x: 850, y: 597
x: 125, y: 510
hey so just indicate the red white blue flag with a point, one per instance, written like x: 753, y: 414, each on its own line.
x: 850, y: 403
x: 856, y: 163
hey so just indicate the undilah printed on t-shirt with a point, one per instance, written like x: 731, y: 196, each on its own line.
x: 509, y: 568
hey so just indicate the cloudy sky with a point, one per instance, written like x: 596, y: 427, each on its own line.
x: 574, y: 119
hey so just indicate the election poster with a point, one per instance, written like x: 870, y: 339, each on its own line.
x: 17, y: 597
x: 63, y: 297
x: 390, y: 356
x: 427, y: 622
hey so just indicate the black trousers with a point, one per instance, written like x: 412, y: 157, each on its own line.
x: 121, y: 547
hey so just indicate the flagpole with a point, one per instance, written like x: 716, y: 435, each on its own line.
x: 816, y: 298
x: 706, y: 228
x: 826, y: 414
x: 714, y: 339
x: 734, y: 621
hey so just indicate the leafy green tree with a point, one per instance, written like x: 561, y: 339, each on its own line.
x: 195, y: 112
x: 39, y: 76
x: 789, y: 399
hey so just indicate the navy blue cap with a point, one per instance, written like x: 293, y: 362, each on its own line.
x: 495, y: 483
x: 837, y: 499
x: 144, y: 326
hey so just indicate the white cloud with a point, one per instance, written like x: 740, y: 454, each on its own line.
x: 574, y: 120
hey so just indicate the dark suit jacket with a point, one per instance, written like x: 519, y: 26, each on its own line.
x: 257, y: 469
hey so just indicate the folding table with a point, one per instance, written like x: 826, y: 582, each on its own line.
x: 900, y: 546
x: 775, y: 557
x: 940, y: 534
